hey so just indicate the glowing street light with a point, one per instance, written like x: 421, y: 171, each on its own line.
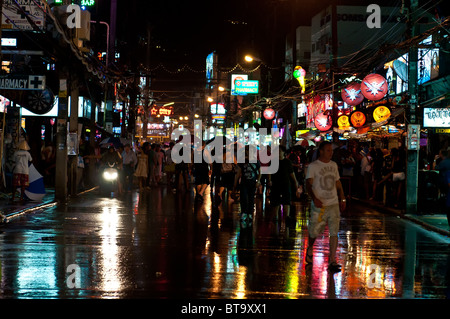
x: 248, y: 58
x: 210, y: 99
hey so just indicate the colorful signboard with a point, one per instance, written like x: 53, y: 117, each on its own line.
x: 242, y: 87
x: 237, y: 77
x: 343, y: 122
x: 374, y: 87
x: 358, y: 119
x: 323, y: 122
x: 351, y: 94
x: 269, y: 114
x: 381, y: 113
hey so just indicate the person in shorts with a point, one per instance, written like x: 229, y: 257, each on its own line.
x: 22, y: 159
x: 202, y: 171
x: 327, y: 200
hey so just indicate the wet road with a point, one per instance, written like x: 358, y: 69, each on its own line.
x: 161, y: 245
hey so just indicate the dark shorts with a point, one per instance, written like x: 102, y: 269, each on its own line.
x: 20, y: 180
x: 227, y: 180
x: 280, y: 196
x: 202, y: 178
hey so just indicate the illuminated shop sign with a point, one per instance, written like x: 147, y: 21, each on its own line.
x: 381, y: 113
x: 436, y: 117
x: 246, y: 87
x: 358, y: 119
x: 235, y: 78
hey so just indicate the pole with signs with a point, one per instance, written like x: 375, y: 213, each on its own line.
x: 61, y: 143
x: 412, y: 167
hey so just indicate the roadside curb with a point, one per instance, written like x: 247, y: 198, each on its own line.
x: 6, y: 218
x: 399, y: 213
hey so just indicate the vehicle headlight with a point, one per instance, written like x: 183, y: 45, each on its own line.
x: 110, y: 174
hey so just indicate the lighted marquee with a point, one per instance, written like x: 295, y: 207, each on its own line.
x: 351, y: 94
x: 164, y: 111
x: 269, y: 114
x: 343, y: 121
x: 323, y: 122
x: 381, y: 113
x: 358, y: 119
x: 374, y: 87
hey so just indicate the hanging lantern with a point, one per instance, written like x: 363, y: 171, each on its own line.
x: 343, y: 122
x: 381, y: 113
x: 358, y: 119
x: 351, y: 94
x: 323, y: 122
x: 269, y: 114
x: 299, y: 74
x: 374, y: 87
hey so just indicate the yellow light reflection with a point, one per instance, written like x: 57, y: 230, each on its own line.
x: 240, y: 285
x: 109, y: 262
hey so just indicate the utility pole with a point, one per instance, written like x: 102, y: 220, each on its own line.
x: 73, y: 129
x: 61, y: 140
x: 412, y: 167
x: 146, y: 107
x: 61, y: 168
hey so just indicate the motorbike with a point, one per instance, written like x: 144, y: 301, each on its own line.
x: 110, y: 177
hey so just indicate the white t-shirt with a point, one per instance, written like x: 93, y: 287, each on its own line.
x: 325, y: 176
x: 21, y: 158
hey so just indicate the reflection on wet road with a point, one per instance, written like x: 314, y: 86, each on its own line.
x: 163, y: 245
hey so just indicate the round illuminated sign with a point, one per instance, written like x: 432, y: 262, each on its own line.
x: 351, y: 94
x: 358, y: 119
x: 374, y: 87
x: 269, y: 114
x: 323, y: 122
x: 343, y: 121
x: 381, y: 113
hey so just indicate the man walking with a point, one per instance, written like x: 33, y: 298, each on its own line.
x: 327, y: 200
x: 129, y: 163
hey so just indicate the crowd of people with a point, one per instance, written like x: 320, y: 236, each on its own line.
x: 366, y: 172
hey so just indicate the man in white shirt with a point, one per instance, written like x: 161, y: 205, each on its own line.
x: 327, y: 200
x: 129, y: 162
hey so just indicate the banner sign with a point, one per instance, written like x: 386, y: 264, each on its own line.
x: 22, y: 82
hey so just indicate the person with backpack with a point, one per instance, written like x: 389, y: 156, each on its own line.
x: 249, y: 175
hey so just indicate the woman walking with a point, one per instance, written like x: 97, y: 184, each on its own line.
x: 142, y: 169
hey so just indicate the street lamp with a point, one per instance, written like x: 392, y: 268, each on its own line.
x: 248, y: 58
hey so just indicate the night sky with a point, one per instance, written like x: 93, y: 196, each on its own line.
x: 185, y: 32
